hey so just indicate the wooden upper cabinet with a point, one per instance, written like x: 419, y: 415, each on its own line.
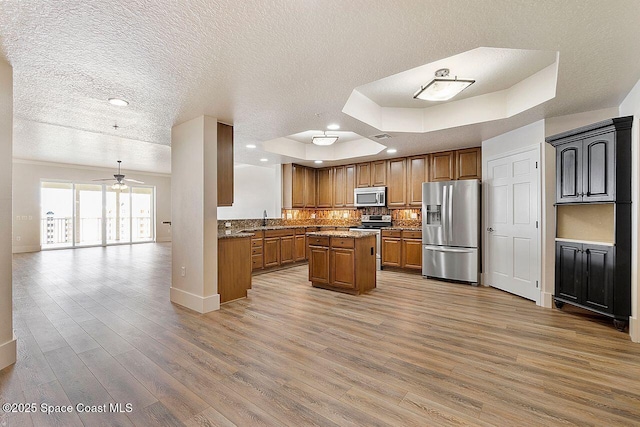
x: 397, y: 183
x: 225, y: 165
x: 379, y: 173
x: 417, y: 173
x: 338, y: 187
x: 363, y: 175
x: 310, y: 188
x: 443, y: 166
x: 325, y: 188
x: 469, y: 163
x: 350, y: 185
x: 298, y: 186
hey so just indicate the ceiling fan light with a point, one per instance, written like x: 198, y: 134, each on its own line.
x: 115, y: 186
x: 324, y: 139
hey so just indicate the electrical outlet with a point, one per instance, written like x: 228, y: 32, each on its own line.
x: 18, y: 238
x: 183, y: 271
x: 313, y: 216
x: 414, y: 215
x: 227, y: 224
x: 227, y: 232
x: 345, y: 215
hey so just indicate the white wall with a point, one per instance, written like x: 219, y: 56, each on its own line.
x: 7, y: 341
x: 528, y: 137
x: 555, y: 125
x: 194, y: 214
x: 631, y: 106
x: 27, y: 176
x: 255, y: 189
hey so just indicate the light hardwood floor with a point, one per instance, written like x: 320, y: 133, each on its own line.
x: 95, y: 326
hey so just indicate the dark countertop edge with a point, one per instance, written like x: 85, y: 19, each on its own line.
x: 235, y: 235
x: 343, y: 234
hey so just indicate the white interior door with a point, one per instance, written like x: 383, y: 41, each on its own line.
x: 511, y: 201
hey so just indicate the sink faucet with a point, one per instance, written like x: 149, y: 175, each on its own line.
x: 264, y: 218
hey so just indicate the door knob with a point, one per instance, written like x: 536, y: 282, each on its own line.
x: 490, y: 230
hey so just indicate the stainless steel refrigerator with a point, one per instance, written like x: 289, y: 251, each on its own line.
x: 451, y: 230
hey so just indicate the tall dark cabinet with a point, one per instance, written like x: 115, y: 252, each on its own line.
x: 593, y: 166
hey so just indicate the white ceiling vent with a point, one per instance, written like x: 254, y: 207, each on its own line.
x: 382, y: 136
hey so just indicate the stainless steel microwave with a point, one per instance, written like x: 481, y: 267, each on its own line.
x: 370, y: 196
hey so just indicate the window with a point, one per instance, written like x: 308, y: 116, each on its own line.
x: 75, y: 215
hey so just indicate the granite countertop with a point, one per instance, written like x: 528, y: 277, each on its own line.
x: 235, y: 235
x: 284, y: 227
x: 345, y: 234
x: 398, y: 227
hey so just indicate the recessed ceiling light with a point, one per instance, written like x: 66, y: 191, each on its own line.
x: 251, y: 146
x: 318, y: 161
x: 392, y: 150
x: 264, y: 160
x: 333, y: 126
x: 119, y: 102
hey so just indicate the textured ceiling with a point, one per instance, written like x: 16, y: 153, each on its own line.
x: 276, y: 68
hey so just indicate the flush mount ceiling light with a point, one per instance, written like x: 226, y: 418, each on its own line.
x: 333, y: 126
x: 442, y: 88
x: 324, y: 139
x: 119, y: 102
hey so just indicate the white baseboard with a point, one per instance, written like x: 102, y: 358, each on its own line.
x: 195, y: 302
x: 8, y: 353
x: 25, y: 249
x: 546, y: 300
x: 634, y: 329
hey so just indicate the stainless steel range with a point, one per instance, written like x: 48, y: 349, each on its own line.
x: 373, y: 223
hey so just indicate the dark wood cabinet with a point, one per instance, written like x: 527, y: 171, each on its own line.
x: 363, y: 175
x: 417, y: 173
x: 397, y: 183
x: 257, y: 254
x: 442, y: 166
x: 585, y: 275
x: 325, y: 188
x: 271, y: 250
x: 593, y: 165
x: 379, y: 173
x: 225, y: 165
x: 468, y: 163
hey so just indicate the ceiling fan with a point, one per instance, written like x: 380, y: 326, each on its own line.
x: 120, y: 180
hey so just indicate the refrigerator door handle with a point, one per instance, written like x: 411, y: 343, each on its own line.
x: 449, y: 249
x: 450, y: 221
x: 445, y: 225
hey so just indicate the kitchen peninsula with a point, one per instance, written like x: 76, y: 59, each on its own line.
x: 343, y: 261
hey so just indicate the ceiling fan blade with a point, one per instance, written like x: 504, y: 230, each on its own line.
x: 134, y: 180
x: 104, y: 179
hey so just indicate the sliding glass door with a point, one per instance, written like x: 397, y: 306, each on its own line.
x: 75, y: 215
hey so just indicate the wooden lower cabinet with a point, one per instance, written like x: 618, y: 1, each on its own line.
x: 300, y: 245
x: 271, y: 251
x: 412, y: 254
x: 391, y: 251
x: 234, y: 268
x: 319, y: 264
x: 343, y: 264
x: 402, y: 249
x: 286, y: 249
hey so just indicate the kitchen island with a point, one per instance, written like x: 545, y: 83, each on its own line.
x: 343, y: 261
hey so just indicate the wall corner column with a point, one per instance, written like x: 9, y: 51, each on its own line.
x: 7, y: 337
x: 194, y: 223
